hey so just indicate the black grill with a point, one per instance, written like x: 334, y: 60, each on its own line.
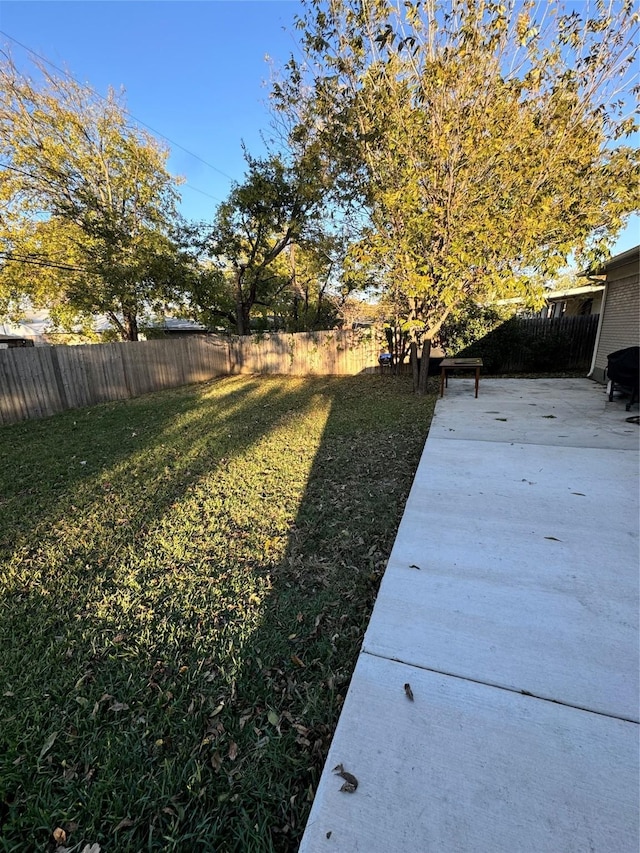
x: 623, y: 370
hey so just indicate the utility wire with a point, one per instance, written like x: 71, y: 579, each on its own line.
x: 139, y: 121
x: 186, y: 185
x: 189, y: 186
x: 6, y: 256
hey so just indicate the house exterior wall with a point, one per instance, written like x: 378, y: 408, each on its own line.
x: 579, y: 305
x: 621, y: 319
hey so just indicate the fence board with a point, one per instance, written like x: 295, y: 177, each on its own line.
x: 331, y: 352
x: 35, y: 382
x: 40, y: 381
x: 558, y: 343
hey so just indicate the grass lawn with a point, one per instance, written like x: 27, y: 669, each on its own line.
x: 185, y: 581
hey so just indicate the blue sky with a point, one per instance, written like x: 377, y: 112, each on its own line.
x: 193, y: 70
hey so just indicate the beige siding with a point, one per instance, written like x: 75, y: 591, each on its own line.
x: 621, y: 320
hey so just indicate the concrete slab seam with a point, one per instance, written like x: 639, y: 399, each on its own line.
x: 498, y: 686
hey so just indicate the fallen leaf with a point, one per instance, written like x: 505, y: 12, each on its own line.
x: 408, y: 691
x: 125, y: 823
x: 244, y: 719
x: 233, y: 750
x: 216, y: 761
x: 350, y: 781
x: 91, y: 848
x: 273, y: 718
x: 59, y: 835
x: 47, y: 745
x: 295, y: 659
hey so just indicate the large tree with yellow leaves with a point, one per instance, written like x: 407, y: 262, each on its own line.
x: 485, y: 140
x: 87, y: 205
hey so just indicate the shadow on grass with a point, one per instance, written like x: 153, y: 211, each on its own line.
x: 181, y: 615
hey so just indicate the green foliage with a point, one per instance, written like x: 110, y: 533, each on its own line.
x: 520, y: 345
x: 482, y: 139
x: 270, y: 212
x: 186, y: 579
x: 88, y: 206
x: 469, y: 323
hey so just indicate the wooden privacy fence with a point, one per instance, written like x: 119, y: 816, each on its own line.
x: 39, y: 381
x: 537, y: 345
x: 306, y: 353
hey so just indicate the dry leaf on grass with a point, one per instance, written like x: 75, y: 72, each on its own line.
x: 47, y: 745
x: 273, y: 718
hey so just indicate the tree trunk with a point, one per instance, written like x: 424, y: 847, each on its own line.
x: 130, y: 325
x: 413, y: 358
x: 244, y: 323
x: 242, y: 309
x: 424, y: 367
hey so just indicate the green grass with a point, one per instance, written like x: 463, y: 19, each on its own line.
x: 185, y: 582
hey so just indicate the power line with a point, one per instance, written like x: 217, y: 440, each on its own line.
x: 6, y: 256
x: 139, y: 121
x: 186, y: 185
x: 202, y: 192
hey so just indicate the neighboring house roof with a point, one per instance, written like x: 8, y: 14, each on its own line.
x: 585, y: 290
x: 36, y: 325
x: 173, y: 324
x: 14, y: 341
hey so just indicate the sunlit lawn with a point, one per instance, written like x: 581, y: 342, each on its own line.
x: 184, y: 586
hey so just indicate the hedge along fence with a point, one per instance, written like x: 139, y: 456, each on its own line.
x: 39, y: 381
x: 537, y: 345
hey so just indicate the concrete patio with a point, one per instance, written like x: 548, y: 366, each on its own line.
x: 510, y: 607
